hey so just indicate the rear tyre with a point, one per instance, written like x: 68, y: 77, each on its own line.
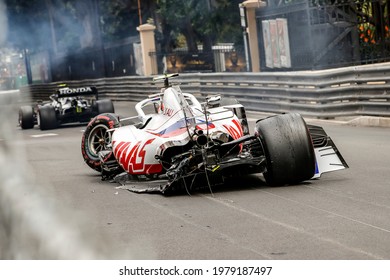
x: 96, y: 138
x: 26, y: 117
x: 105, y: 106
x: 288, y: 149
x: 47, y: 118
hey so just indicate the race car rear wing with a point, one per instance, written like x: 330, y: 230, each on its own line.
x: 80, y: 91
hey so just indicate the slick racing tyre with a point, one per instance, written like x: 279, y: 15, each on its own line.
x: 96, y: 138
x: 26, y: 117
x: 104, y: 106
x: 47, y: 118
x: 288, y: 149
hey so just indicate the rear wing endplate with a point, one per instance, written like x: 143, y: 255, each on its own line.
x: 80, y: 91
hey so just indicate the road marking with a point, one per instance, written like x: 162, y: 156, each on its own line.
x: 292, y: 227
x: 327, y: 211
x: 44, y: 135
x: 209, y: 230
x: 332, y: 192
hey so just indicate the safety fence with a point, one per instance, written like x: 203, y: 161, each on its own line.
x: 349, y: 91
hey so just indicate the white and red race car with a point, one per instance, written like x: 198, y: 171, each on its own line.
x: 185, y: 144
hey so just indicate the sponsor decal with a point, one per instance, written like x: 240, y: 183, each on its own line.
x: 168, y: 111
x: 74, y: 90
x: 132, y: 157
x: 235, y: 130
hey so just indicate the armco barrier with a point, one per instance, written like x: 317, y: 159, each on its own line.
x: 350, y: 91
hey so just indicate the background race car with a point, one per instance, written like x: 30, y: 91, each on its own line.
x: 66, y: 105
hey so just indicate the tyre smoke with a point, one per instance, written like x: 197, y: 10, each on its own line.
x: 32, y: 225
x: 3, y: 22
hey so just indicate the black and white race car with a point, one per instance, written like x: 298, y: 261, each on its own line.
x: 66, y: 105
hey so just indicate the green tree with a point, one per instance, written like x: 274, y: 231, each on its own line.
x: 118, y: 19
x: 199, y: 21
x: 63, y: 25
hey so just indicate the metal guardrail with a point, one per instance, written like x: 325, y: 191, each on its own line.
x: 349, y: 91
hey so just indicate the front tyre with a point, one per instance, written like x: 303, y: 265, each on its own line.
x: 96, y: 138
x: 47, y: 118
x: 26, y: 117
x: 288, y: 148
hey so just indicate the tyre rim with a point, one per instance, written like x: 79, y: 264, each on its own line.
x: 99, y: 139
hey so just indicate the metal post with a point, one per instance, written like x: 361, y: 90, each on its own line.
x: 245, y: 36
x: 28, y: 66
x: 139, y: 12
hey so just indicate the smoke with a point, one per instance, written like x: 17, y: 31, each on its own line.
x: 32, y: 224
x: 3, y: 23
x: 41, y: 25
x: 31, y: 227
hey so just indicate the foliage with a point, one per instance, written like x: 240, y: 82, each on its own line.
x: 118, y: 19
x: 64, y: 25
x: 199, y: 21
x: 373, y: 18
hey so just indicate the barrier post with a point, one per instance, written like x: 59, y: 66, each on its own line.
x: 147, y: 46
x: 250, y: 7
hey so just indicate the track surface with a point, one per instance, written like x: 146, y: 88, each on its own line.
x: 343, y: 215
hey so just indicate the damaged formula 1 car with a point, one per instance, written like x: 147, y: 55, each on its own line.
x: 66, y: 105
x: 184, y: 144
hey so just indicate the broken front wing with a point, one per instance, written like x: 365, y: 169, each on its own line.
x: 328, y: 157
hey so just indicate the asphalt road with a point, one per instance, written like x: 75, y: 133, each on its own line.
x: 343, y: 215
